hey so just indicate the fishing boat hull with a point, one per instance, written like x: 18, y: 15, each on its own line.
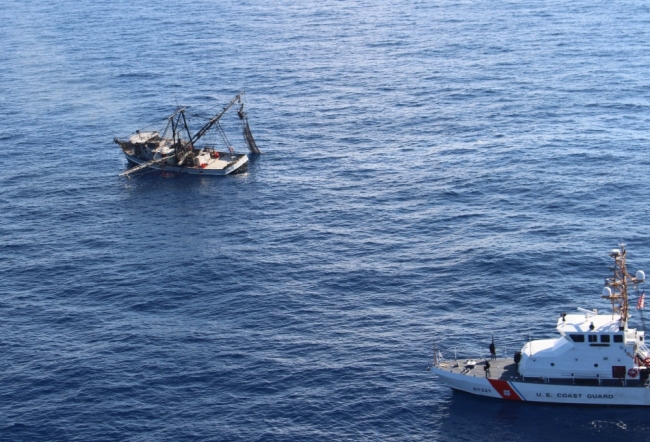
x: 516, y: 390
x: 227, y: 164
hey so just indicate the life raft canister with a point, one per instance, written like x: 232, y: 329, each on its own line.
x: 632, y: 372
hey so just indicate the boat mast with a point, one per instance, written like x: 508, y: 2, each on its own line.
x: 177, y: 127
x: 616, y: 286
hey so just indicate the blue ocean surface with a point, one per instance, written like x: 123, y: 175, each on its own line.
x: 431, y: 172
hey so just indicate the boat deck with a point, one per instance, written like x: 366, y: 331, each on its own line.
x: 222, y: 162
x: 501, y: 368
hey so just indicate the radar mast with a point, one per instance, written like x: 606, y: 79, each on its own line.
x: 616, y: 286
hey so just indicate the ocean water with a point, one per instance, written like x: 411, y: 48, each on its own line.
x: 432, y: 172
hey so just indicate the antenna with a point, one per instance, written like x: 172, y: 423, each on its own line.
x: 616, y: 287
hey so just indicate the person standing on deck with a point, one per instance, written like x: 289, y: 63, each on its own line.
x: 493, y: 350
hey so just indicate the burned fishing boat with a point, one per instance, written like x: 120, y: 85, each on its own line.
x: 177, y: 150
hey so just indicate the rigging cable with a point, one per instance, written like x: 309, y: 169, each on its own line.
x: 223, y: 136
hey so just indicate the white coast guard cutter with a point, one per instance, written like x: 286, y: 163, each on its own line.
x: 597, y: 359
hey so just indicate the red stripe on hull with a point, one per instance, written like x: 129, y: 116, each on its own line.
x: 505, y: 390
